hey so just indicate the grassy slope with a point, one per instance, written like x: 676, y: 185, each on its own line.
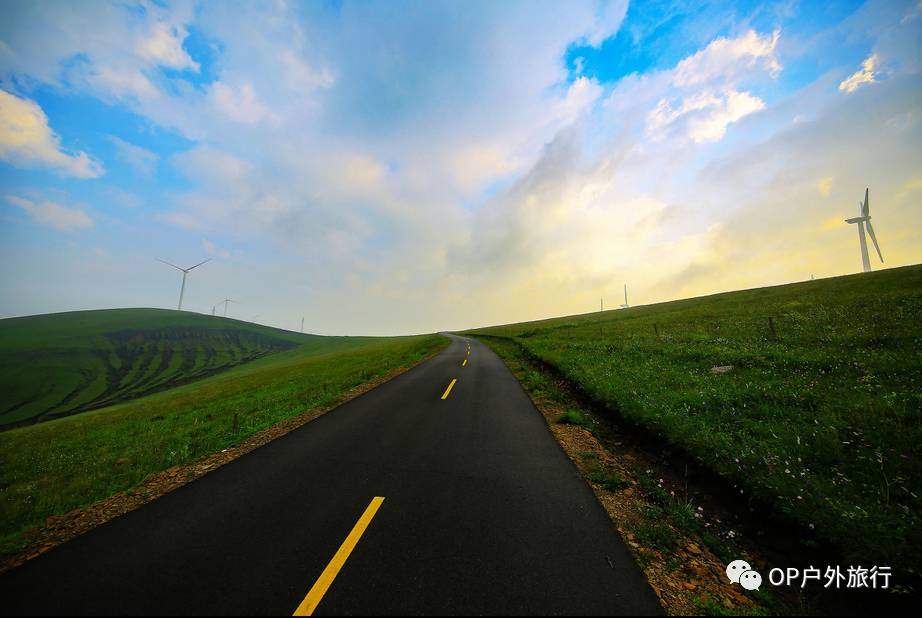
x: 824, y: 421
x: 58, y: 364
x: 55, y: 466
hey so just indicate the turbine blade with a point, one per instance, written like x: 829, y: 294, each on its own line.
x: 197, y: 265
x: 865, y: 206
x: 168, y: 264
x: 874, y: 238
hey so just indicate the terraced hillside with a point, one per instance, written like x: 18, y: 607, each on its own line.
x: 54, y: 467
x: 60, y: 364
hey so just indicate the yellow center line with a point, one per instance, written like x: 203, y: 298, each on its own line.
x: 464, y: 363
x: 450, y: 386
x: 312, y: 600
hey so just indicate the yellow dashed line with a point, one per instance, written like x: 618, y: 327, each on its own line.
x: 310, y: 602
x: 448, y: 390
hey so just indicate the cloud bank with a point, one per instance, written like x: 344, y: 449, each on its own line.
x: 442, y: 167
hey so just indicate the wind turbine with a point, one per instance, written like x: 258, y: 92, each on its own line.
x: 185, y: 271
x: 864, y: 219
x: 225, y: 301
x: 625, y: 305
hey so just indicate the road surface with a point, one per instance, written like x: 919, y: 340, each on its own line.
x: 482, y: 513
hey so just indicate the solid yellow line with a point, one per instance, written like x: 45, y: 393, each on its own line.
x: 450, y: 386
x: 312, y: 600
x: 464, y: 363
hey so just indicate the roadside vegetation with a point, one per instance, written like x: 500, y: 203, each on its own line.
x: 807, y: 397
x: 53, y: 467
x: 682, y: 547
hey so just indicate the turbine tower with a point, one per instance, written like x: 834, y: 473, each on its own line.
x: 185, y: 271
x: 864, y: 220
x: 625, y: 305
x: 225, y: 301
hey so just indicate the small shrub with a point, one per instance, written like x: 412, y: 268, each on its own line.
x: 656, y: 535
x: 575, y: 417
x: 611, y: 481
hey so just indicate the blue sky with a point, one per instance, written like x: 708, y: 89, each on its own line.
x: 396, y: 168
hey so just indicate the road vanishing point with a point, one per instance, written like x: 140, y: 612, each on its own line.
x: 439, y: 492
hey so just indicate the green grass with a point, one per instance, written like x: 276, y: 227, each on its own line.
x: 575, y: 417
x: 60, y: 364
x: 611, y: 481
x: 656, y: 534
x: 53, y: 467
x: 820, y: 415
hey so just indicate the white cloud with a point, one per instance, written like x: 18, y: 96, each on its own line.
x: 727, y: 60
x: 52, y: 214
x: 300, y: 76
x: 712, y: 125
x: 865, y: 75
x: 163, y: 46
x: 473, y: 163
x: 141, y: 159
x: 609, y: 15
x: 581, y: 95
x: 212, y: 249
x: 211, y: 165
x: 27, y: 141
x: 120, y: 83
x: 702, y: 95
x: 240, y: 103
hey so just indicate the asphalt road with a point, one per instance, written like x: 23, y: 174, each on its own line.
x: 483, y: 513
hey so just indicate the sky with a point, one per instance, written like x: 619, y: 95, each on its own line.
x: 406, y: 167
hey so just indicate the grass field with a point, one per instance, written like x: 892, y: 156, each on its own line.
x: 59, y: 364
x: 819, y: 413
x: 53, y: 467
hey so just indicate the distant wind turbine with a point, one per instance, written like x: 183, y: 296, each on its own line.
x: 625, y: 305
x: 225, y: 301
x: 185, y: 271
x: 864, y: 219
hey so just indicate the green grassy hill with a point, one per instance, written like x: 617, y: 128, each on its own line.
x: 52, y: 467
x: 60, y: 364
x: 819, y: 413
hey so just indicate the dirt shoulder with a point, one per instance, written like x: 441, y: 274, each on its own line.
x: 682, y: 545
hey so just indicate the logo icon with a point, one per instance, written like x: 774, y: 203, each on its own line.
x: 750, y: 580
x: 737, y: 568
x: 740, y: 572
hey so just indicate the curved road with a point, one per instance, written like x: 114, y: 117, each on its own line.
x: 483, y: 513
